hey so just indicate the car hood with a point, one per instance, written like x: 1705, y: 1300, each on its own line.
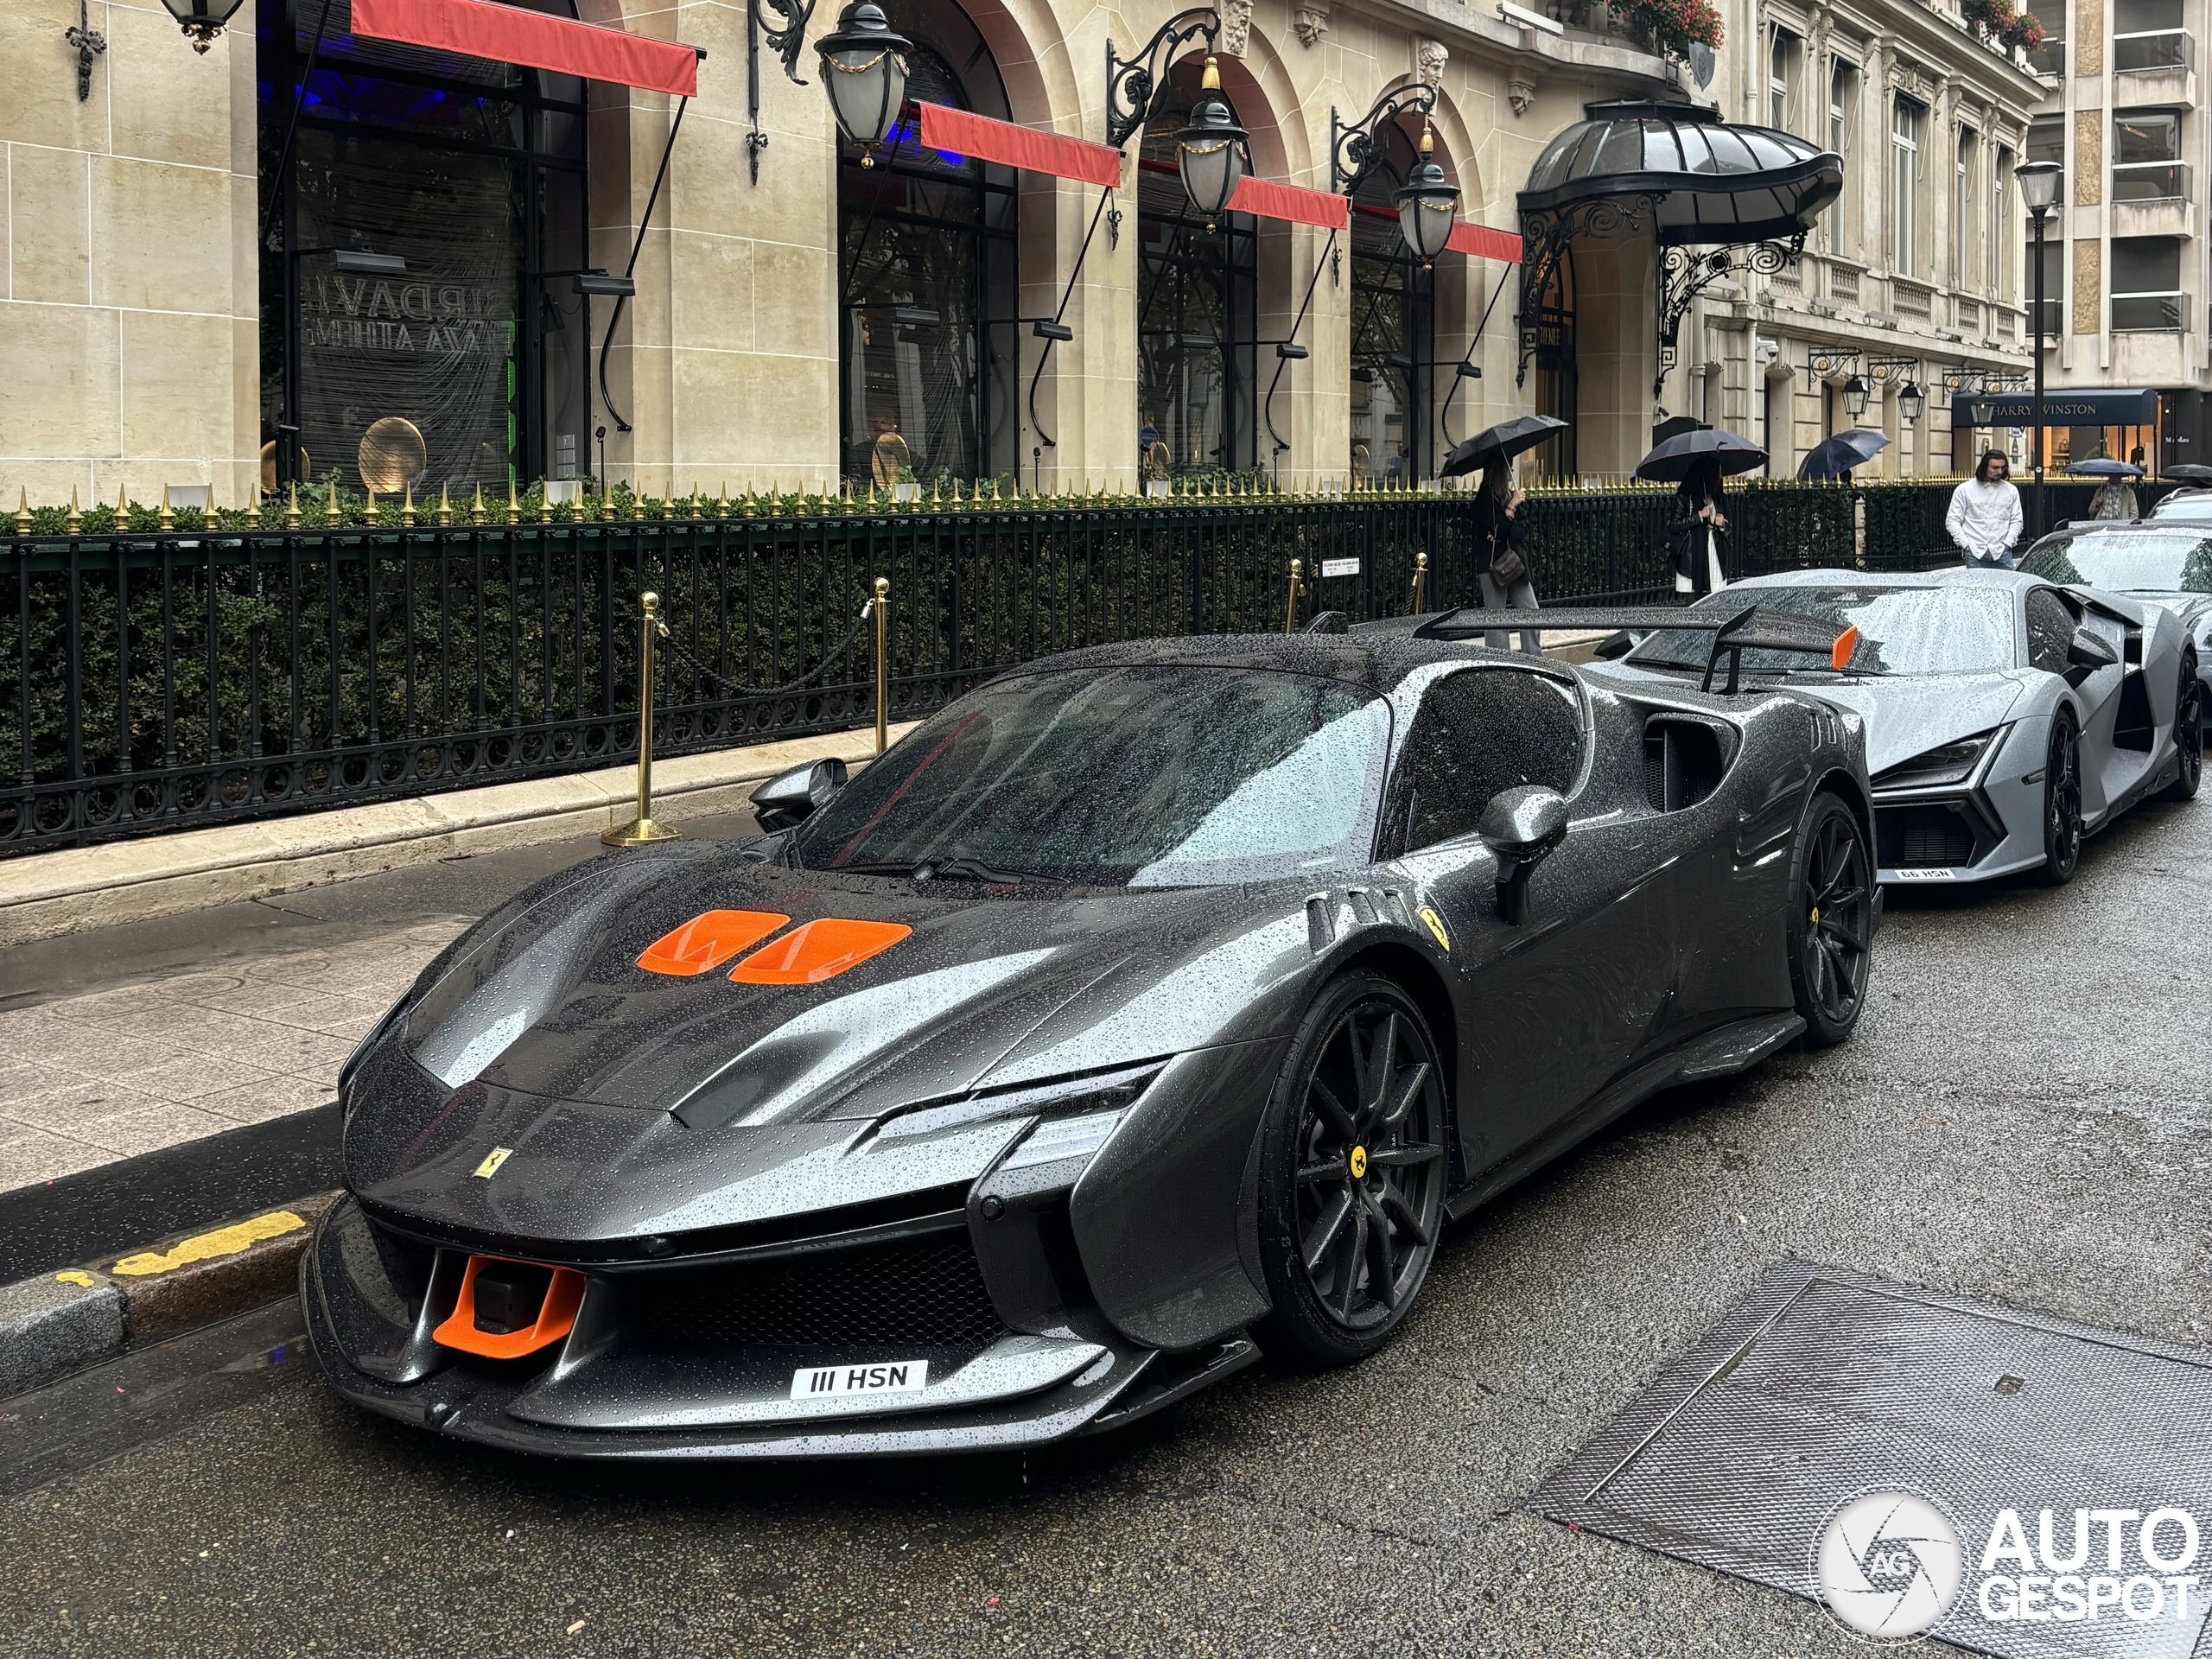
x: 1907, y: 716
x: 658, y: 1098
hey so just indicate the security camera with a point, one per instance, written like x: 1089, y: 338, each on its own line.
x: 1769, y: 350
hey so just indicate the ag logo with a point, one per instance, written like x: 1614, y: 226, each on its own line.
x: 1889, y: 1565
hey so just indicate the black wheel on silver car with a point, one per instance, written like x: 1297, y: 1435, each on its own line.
x: 1351, y: 1175
x: 2189, y: 734
x: 2062, y: 805
x: 1831, y: 920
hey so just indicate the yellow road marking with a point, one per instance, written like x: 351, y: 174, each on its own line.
x: 76, y: 1277
x: 205, y: 1247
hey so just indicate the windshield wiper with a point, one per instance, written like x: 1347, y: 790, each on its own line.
x: 954, y: 869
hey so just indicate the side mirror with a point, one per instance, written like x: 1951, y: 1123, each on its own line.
x: 1523, y: 826
x: 788, y: 800
x: 2086, y: 653
x: 1614, y: 646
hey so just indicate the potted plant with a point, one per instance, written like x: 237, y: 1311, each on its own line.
x: 1673, y: 26
x: 2023, y: 34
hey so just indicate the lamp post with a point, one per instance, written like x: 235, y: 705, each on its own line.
x: 2039, y: 182
x: 1209, y: 151
x: 202, y: 19
x: 864, y: 72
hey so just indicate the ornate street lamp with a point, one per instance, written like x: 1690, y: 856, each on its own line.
x: 1854, y: 396
x: 1427, y: 202
x: 1211, y: 149
x: 1911, y: 400
x: 202, y: 19
x: 864, y: 70
x: 2039, y: 182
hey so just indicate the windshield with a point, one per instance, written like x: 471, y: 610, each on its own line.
x: 1902, y: 630
x: 2190, y: 507
x: 1138, y: 777
x: 2120, y: 561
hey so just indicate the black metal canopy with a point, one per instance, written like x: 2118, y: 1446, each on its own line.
x: 1707, y: 180
x: 1698, y: 180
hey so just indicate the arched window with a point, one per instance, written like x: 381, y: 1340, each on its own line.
x: 1393, y: 323
x: 411, y: 334
x: 1198, y: 306
x: 925, y: 278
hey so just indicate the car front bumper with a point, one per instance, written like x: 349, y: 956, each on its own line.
x: 1985, y: 828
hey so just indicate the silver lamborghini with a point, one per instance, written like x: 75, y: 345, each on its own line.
x: 2007, y: 715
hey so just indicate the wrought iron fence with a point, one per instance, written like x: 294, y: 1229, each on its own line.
x: 155, y: 679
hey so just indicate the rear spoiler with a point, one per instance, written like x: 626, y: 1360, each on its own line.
x: 1754, y: 628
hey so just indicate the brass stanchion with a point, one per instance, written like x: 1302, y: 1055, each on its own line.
x: 882, y: 664
x: 1421, y: 579
x: 1290, y: 602
x: 642, y: 828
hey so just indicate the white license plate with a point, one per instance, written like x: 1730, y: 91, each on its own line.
x: 1922, y: 875
x: 1340, y: 567
x: 839, y: 1381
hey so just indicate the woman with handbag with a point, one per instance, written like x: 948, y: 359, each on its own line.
x: 1502, y: 539
x: 1697, y: 532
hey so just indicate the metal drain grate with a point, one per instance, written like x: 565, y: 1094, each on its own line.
x: 1824, y: 1385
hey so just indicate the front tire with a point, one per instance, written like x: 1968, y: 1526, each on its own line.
x: 1353, y: 1171
x: 1831, y: 920
x: 2189, y: 734
x: 2062, y: 805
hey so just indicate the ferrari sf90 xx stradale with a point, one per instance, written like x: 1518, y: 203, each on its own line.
x: 1146, y: 1007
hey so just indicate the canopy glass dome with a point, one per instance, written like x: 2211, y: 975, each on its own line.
x: 1706, y: 180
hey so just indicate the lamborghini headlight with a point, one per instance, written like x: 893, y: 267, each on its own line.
x: 1947, y: 763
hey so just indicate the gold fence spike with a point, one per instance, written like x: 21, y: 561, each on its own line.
x: 445, y: 503
x: 331, y: 515
x: 372, y: 514
x: 514, y: 501
x: 292, y: 508
x: 476, y: 507
x: 407, y: 505
x: 75, y: 521
x: 167, y: 520
x: 22, y: 512
x: 544, y: 502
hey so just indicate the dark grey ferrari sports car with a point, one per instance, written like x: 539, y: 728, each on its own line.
x: 1149, y: 1007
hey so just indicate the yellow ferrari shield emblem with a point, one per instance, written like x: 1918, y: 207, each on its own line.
x: 1435, y: 923
x: 492, y: 1160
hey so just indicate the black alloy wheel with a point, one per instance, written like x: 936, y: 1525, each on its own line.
x: 1831, y: 920
x: 2189, y: 734
x: 2062, y: 805
x: 1353, y: 1172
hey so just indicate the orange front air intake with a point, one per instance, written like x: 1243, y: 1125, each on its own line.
x: 556, y: 1315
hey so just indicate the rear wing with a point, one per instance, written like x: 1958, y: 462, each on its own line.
x: 1734, y: 632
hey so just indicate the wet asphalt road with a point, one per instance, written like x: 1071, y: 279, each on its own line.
x: 2024, y: 1116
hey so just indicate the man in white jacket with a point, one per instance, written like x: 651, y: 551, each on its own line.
x: 1984, y: 518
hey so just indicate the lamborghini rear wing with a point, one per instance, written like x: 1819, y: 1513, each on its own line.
x: 1754, y: 628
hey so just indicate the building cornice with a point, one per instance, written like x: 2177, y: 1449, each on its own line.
x: 1608, y: 68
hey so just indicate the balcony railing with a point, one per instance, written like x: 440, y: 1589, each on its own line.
x: 2137, y: 314
x: 2162, y: 48
x: 2150, y: 182
x: 2049, y: 58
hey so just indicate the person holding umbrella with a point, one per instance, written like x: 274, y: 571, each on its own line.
x: 2115, y: 496
x: 1501, y: 534
x: 1697, y: 528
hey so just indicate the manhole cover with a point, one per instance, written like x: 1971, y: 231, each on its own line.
x: 2074, y: 1467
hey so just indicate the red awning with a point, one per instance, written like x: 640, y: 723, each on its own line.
x: 1478, y: 240
x: 1290, y: 201
x: 961, y: 132
x: 478, y: 28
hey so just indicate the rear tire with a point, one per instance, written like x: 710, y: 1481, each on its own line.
x: 2062, y: 805
x: 1352, y: 1170
x: 1831, y: 920
x: 2189, y: 734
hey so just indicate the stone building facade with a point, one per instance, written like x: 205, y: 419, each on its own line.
x: 1913, y: 280
x: 169, y: 314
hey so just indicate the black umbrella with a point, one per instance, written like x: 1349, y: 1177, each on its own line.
x: 1842, y: 453
x: 2103, y: 466
x: 2190, y: 472
x: 1670, y: 463
x: 1501, y: 443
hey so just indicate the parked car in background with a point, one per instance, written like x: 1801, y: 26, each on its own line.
x: 2008, y: 717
